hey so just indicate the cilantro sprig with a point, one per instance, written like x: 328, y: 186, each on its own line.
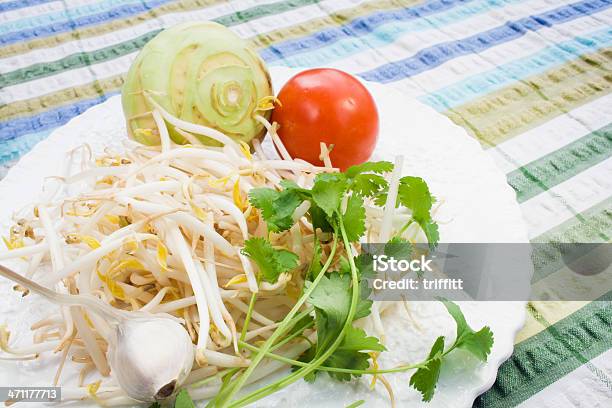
x: 334, y: 297
x: 479, y: 343
x: 277, y: 207
x: 270, y: 261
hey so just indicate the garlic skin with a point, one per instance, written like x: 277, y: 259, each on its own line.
x: 152, y: 357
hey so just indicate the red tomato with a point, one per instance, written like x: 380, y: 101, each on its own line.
x: 330, y: 106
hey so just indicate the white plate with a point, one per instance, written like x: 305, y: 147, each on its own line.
x: 479, y: 206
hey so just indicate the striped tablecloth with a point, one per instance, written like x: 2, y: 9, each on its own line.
x: 530, y: 79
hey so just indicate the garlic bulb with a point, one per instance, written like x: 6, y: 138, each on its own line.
x: 151, y: 358
x: 150, y: 354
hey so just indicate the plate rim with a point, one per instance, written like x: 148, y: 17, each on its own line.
x: 492, y: 365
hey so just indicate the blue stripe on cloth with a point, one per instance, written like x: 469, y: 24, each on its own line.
x: 55, y: 28
x: 429, y: 59
x: 438, y: 54
x: 13, y: 149
x: 18, y: 4
x: 483, y: 83
x: 48, y: 119
x: 389, y: 33
x: 357, y: 27
x: 66, y: 14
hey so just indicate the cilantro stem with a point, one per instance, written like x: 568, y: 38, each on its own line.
x: 225, y: 396
x: 405, y: 226
x: 247, y: 318
x: 312, y: 366
x: 294, y: 321
x: 205, y: 381
x: 290, y: 361
x: 289, y: 338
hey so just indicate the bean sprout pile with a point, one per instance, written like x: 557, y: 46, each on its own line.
x: 159, y: 229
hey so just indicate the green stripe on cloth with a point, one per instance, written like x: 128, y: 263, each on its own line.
x: 496, y: 108
x: 256, y: 12
x: 74, y: 61
x: 512, y: 110
x: 238, y: 17
x: 62, y: 97
x: 71, y: 95
x: 55, y: 99
x: 113, y: 25
x: 593, y: 225
x: 111, y: 52
x: 551, y: 354
x: 558, y: 166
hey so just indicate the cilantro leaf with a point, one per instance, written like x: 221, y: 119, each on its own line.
x: 364, y: 305
x: 332, y: 300
x: 276, y: 207
x: 430, y: 229
x: 284, y: 206
x: 478, y: 343
x: 350, y: 353
x: 287, y: 260
x: 398, y: 248
x: 356, y: 339
x: 413, y: 194
x: 425, y: 378
x: 365, y: 265
x: 319, y: 219
x: 328, y: 190
x: 183, y: 400
x: 271, y: 262
x: 329, y: 296
x: 363, y: 182
x: 457, y: 315
x: 263, y: 198
x: 307, y: 357
x: 380, y: 198
x: 343, y: 265
x: 364, y: 270
x: 341, y: 358
x: 369, y: 185
x: 289, y: 185
x: 301, y: 324
x: 354, y: 218
x: 378, y: 167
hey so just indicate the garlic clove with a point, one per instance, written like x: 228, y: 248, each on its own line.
x: 151, y: 358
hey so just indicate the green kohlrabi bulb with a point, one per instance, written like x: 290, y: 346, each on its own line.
x: 200, y: 72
